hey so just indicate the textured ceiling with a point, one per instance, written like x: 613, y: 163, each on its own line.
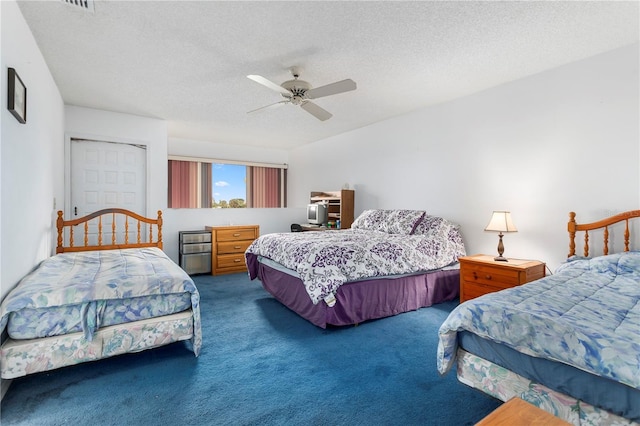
x: 187, y: 62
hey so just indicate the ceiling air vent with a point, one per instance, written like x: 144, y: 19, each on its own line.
x: 86, y: 5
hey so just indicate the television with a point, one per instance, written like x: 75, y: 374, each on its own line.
x: 317, y: 214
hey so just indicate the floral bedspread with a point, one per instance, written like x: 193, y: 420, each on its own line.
x: 586, y: 315
x: 326, y: 260
x: 87, y: 279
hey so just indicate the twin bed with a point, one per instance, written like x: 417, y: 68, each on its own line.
x: 568, y: 343
x: 388, y: 262
x: 96, y: 299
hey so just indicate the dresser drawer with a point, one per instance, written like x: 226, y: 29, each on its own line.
x: 492, y: 276
x: 225, y: 261
x: 236, y: 234
x: 233, y: 247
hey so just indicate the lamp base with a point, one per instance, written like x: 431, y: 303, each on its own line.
x: 500, y: 258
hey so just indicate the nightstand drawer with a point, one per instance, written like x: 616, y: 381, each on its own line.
x: 492, y: 276
x: 473, y: 290
x: 233, y: 247
x: 236, y: 234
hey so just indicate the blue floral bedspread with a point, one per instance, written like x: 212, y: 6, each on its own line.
x: 326, y: 260
x: 587, y: 315
x: 88, y: 279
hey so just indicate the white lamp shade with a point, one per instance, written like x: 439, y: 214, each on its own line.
x: 501, y: 222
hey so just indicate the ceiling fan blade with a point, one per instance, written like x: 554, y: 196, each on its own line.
x: 331, y: 89
x: 270, y: 84
x: 268, y: 106
x: 316, y: 111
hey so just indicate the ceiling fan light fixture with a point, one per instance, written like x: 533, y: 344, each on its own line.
x: 298, y: 92
x: 297, y: 87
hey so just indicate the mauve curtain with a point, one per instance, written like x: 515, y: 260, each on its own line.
x: 263, y: 186
x: 183, y: 184
x: 206, y: 186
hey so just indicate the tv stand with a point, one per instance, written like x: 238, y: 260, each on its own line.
x: 311, y: 227
x: 339, y: 206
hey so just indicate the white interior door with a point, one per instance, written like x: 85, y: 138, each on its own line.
x: 106, y: 175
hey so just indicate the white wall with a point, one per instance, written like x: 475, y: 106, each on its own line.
x: 559, y: 141
x: 270, y: 220
x: 31, y: 154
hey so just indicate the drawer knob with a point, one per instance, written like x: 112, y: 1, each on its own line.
x: 486, y: 277
x: 236, y: 235
x: 237, y: 260
x: 236, y: 247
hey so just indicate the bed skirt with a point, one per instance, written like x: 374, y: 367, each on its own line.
x: 360, y: 300
x: 504, y: 384
x: 22, y: 357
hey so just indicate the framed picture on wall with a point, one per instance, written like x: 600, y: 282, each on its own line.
x: 17, y: 94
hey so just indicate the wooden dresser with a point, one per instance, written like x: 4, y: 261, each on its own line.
x: 480, y: 274
x: 228, y: 244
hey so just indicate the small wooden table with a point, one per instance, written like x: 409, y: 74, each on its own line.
x: 481, y: 274
x: 521, y: 413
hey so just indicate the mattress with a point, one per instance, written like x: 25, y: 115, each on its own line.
x: 29, y: 323
x: 597, y: 391
x: 85, y: 291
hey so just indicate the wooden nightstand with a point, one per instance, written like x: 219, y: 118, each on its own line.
x: 518, y: 412
x: 480, y: 274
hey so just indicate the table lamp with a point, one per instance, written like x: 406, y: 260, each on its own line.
x: 501, y: 222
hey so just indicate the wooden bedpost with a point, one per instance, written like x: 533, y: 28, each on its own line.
x: 586, y: 243
x: 60, y: 226
x: 626, y: 235
x: 571, y: 227
x: 160, y: 229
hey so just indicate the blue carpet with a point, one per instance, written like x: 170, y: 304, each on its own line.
x: 261, y: 364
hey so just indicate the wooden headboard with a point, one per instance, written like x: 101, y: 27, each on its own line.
x: 604, y: 224
x: 114, y: 216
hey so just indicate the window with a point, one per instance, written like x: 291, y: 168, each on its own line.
x: 196, y: 183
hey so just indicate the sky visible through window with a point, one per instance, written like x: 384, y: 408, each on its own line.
x: 229, y: 181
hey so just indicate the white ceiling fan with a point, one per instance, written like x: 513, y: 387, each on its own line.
x: 298, y: 92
